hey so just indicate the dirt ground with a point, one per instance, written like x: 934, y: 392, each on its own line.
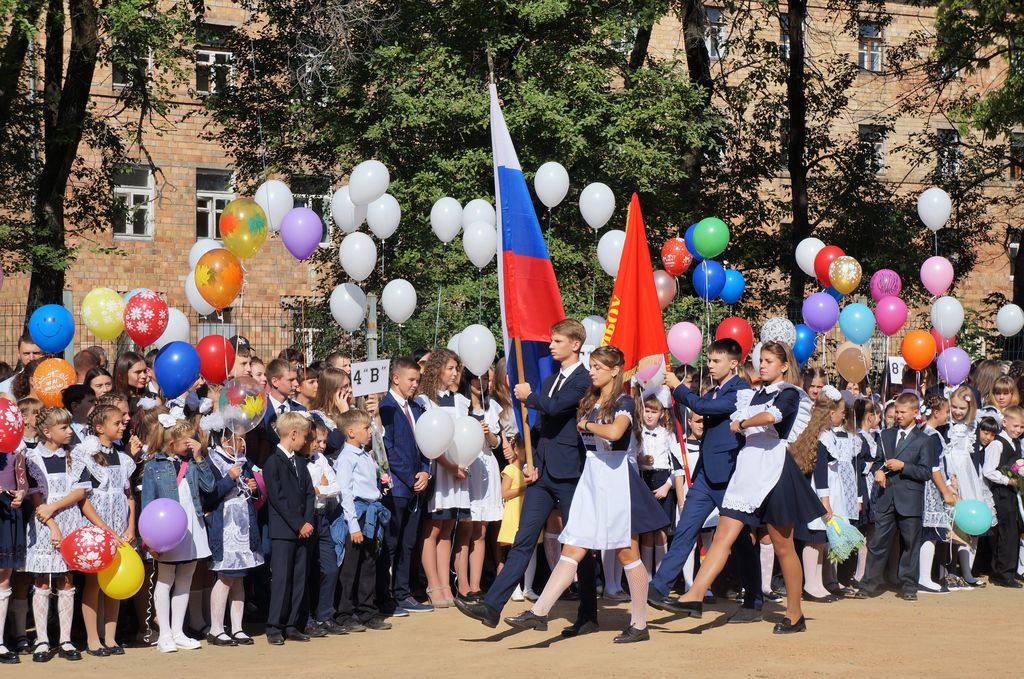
x: 937, y: 636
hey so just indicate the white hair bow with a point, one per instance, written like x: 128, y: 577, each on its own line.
x: 169, y: 419
x: 148, y: 403
x: 831, y: 393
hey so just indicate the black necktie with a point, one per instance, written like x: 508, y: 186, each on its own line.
x: 901, y: 439
x: 280, y: 408
x: 295, y: 465
x: 558, y: 383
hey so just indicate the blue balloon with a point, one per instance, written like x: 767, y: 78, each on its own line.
x: 857, y: 322
x: 806, y: 342
x: 176, y: 368
x: 972, y: 516
x: 689, y: 243
x: 708, y: 279
x: 835, y: 294
x: 52, y: 327
x: 132, y: 294
x: 734, y: 286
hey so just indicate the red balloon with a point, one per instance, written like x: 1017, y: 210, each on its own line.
x: 824, y: 260
x: 12, y: 426
x: 145, y: 317
x: 216, y: 358
x: 942, y: 343
x: 738, y: 329
x: 675, y: 258
x: 89, y: 549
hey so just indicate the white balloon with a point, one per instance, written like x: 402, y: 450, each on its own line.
x: 1010, y: 320
x: 453, y: 343
x: 594, y: 325
x: 778, y: 329
x: 947, y: 316
x: 480, y: 241
x: 196, y: 300
x: 467, y: 440
x: 348, y: 306
x: 347, y: 215
x: 609, y: 251
x: 368, y: 182
x: 934, y: 208
x: 446, y: 218
x: 200, y: 248
x: 806, y: 251
x: 597, y: 204
x: 399, y: 300
x: 478, y: 210
x: 358, y: 255
x: 435, y: 430
x: 276, y: 200
x: 755, y: 355
x: 383, y: 216
x: 477, y: 348
x: 551, y: 183
x: 178, y: 329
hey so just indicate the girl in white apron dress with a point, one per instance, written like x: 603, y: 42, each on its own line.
x: 939, y: 496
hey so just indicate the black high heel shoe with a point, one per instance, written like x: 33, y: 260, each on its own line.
x: 787, y: 627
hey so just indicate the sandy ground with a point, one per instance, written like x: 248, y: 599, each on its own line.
x: 956, y: 634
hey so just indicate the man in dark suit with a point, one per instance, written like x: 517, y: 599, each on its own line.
x: 290, y: 501
x: 902, y: 468
x: 558, y: 464
x: 410, y: 473
x: 718, y: 450
x: 282, y: 382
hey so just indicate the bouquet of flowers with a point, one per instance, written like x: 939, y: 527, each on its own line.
x: 843, y: 540
x: 1016, y: 471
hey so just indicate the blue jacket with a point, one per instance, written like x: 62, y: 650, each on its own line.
x: 159, y: 480
x: 719, y: 447
x: 404, y: 457
x: 558, y: 448
x: 213, y: 502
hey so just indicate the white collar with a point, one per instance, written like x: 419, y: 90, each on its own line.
x: 354, y: 449
x: 401, y: 400
x: 909, y: 429
x: 565, y: 372
x: 287, y: 453
x: 277, y: 404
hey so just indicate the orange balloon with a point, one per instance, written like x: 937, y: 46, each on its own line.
x: 918, y: 349
x: 219, y: 277
x: 52, y: 377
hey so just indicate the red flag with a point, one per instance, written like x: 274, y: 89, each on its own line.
x: 634, y: 322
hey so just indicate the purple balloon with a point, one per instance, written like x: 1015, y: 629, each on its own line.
x: 301, y: 231
x: 954, y: 365
x: 163, y: 525
x: 885, y: 283
x: 820, y: 312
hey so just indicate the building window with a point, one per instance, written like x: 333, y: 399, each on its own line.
x: 213, y: 60
x: 133, y: 191
x: 121, y: 76
x: 872, y: 144
x: 784, y: 37
x: 869, y: 51
x: 213, y: 193
x: 315, y: 194
x: 716, y: 33
x: 218, y: 323
x: 949, y: 153
x: 1016, y: 156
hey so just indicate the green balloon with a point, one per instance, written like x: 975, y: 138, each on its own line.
x: 710, y: 237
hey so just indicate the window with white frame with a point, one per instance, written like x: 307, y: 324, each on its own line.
x: 872, y: 144
x: 950, y: 153
x: 133, y: 191
x: 784, y: 37
x: 213, y: 193
x: 716, y: 32
x: 213, y: 60
x: 314, y: 193
x: 869, y: 46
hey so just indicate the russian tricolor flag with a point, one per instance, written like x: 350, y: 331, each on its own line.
x: 530, y: 300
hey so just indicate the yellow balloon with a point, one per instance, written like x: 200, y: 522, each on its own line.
x: 123, y: 578
x: 102, y: 311
x: 844, y: 274
x: 243, y: 227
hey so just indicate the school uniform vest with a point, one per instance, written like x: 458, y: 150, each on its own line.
x: 1010, y: 453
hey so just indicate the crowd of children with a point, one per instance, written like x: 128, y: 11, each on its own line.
x: 321, y: 520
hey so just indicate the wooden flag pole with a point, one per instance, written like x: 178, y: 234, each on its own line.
x: 521, y: 376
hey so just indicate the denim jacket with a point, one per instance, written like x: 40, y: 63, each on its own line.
x: 159, y: 480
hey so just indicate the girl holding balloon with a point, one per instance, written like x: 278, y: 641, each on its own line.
x: 112, y: 498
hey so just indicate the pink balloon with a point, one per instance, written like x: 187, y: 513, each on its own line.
x: 885, y: 283
x: 890, y: 314
x: 262, y: 499
x: 937, y: 275
x: 942, y: 343
x: 665, y: 285
x: 684, y: 341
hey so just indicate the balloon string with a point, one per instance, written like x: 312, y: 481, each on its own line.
x: 305, y: 354
x: 480, y: 306
x: 593, y: 286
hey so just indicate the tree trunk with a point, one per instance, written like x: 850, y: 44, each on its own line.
x: 64, y: 115
x: 796, y: 105
x: 698, y: 65
x: 12, y: 60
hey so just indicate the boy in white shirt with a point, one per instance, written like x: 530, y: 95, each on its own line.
x: 326, y: 508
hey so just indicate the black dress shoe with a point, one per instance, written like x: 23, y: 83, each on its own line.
x: 746, y: 615
x: 908, y: 596
x: 528, y: 620
x: 580, y: 627
x: 22, y: 646
x: 242, y: 639
x: 69, y: 652
x: 221, y: 639
x: 787, y: 627
x: 101, y: 652
x: 1011, y: 584
x: 332, y: 627
x: 296, y: 635
x: 42, y: 653
x: 474, y: 597
x: 632, y: 635
x: 687, y: 609
x: 379, y: 624
x: 656, y: 599
x: 480, y: 611
x: 9, y: 658
x: 116, y: 649
x: 314, y: 631
x: 275, y: 640
x: 829, y: 599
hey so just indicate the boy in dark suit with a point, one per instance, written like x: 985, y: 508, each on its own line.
x: 558, y: 464
x: 290, y: 501
x: 282, y: 381
x: 410, y: 472
x: 902, y: 468
x: 718, y: 449
x: 999, y: 455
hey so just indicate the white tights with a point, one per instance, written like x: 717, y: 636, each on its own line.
x: 225, y: 590
x: 170, y: 610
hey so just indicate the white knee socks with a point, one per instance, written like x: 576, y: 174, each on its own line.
x: 561, y: 577
x: 237, y: 605
x: 218, y: 604
x: 41, y: 613
x: 767, y: 566
x: 636, y: 576
x: 65, y: 613
x: 5, y: 600
x: 924, y: 577
x: 812, y: 558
